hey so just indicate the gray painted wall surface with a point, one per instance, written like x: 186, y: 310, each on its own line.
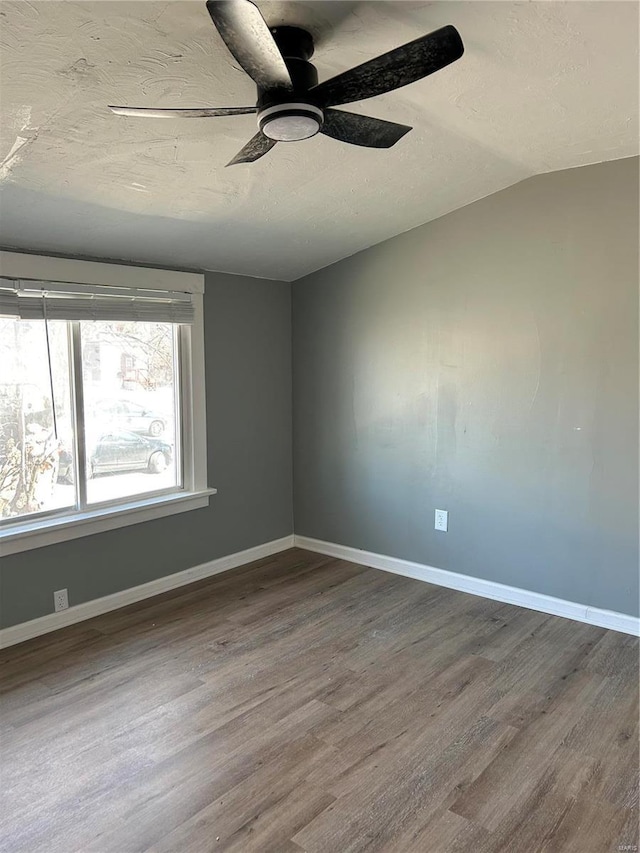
x: 248, y: 374
x: 485, y: 363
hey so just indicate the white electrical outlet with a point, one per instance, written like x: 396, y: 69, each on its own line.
x: 60, y: 599
x: 442, y: 520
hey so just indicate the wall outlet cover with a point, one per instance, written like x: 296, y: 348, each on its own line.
x: 60, y: 600
x: 442, y: 520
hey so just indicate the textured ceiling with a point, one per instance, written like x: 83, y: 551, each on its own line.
x: 542, y: 86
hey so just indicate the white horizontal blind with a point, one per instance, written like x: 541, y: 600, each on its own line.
x: 35, y: 300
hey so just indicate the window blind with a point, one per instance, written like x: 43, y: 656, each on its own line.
x: 35, y: 300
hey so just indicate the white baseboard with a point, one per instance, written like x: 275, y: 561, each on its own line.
x: 464, y: 583
x: 477, y: 586
x: 98, y: 606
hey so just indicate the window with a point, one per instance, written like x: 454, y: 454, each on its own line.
x: 131, y: 393
x: 29, y: 452
x: 100, y: 412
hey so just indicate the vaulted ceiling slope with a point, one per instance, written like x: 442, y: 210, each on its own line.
x: 542, y: 86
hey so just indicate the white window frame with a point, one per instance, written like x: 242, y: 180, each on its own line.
x: 194, y: 494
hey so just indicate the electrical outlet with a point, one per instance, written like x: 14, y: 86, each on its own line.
x: 60, y: 599
x: 442, y: 520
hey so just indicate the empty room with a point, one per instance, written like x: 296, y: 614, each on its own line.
x: 319, y: 426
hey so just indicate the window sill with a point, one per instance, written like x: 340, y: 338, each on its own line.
x: 38, y: 534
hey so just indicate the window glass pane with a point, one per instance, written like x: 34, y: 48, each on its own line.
x: 130, y: 385
x: 36, y: 464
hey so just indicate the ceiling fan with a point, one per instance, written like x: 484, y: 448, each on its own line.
x: 291, y: 104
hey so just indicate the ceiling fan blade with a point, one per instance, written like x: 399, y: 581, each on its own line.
x: 399, y: 67
x: 255, y: 148
x: 202, y: 112
x: 246, y: 34
x: 362, y: 130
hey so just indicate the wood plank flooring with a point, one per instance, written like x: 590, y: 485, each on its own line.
x: 308, y: 704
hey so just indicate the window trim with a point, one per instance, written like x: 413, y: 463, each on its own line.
x: 54, y: 529
x: 47, y: 268
x: 194, y: 493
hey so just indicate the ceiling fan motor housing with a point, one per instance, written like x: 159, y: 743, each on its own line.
x: 289, y: 115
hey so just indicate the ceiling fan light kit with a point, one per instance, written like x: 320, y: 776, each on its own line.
x: 291, y: 105
x: 290, y: 122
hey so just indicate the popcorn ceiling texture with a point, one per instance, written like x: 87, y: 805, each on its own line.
x: 542, y: 87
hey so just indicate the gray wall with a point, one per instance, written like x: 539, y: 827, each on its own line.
x: 248, y: 374
x: 485, y: 363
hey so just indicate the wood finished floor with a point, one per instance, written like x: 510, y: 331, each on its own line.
x: 309, y: 704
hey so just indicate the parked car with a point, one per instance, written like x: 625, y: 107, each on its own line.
x: 117, y: 451
x: 126, y: 451
x: 123, y: 414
